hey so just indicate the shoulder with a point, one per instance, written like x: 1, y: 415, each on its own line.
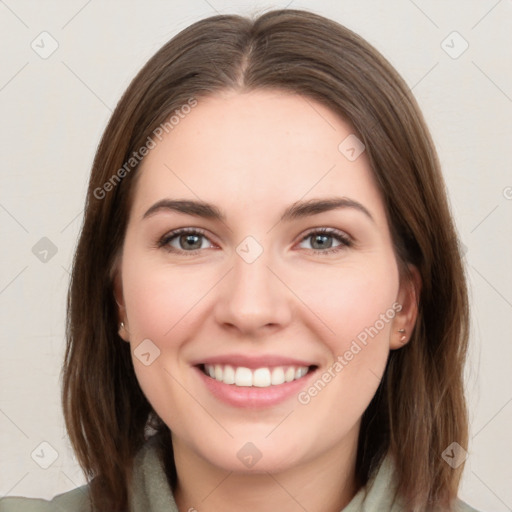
x: 76, y: 500
x: 150, y: 490
x: 380, y: 493
x: 461, y: 506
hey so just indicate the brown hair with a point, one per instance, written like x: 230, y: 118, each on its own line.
x: 419, y: 408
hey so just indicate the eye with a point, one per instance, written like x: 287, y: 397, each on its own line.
x: 327, y: 240
x: 193, y: 240
x: 189, y: 240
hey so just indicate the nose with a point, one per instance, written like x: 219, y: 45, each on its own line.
x: 252, y: 299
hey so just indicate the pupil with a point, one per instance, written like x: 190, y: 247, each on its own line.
x: 322, y: 240
x: 190, y: 241
x: 193, y: 241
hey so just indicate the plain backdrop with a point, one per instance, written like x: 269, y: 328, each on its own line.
x: 55, y: 106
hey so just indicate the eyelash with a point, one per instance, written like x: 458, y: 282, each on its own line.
x: 345, y: 240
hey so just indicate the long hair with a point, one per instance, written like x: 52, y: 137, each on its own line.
x: 419, y: 408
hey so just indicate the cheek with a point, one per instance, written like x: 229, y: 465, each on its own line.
x: 352, y: 299
x: 344, y: 308
x: 160, y: 300
x: 357, y: 305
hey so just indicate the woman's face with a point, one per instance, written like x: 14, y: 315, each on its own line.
x: 264, y: 286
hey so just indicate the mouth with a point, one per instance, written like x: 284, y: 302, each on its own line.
x: 262, y: 377
x: 254, y: 380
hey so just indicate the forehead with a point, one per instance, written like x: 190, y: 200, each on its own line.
x: 259, y: 149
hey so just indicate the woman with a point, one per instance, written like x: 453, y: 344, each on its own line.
x: 268, y: 309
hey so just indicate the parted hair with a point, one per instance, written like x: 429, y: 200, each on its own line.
x: 419, y: 408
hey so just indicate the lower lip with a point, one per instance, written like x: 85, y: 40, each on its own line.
x: 253, y: 397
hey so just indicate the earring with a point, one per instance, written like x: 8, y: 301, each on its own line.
x: 402, y: 332
x: 121, y: 325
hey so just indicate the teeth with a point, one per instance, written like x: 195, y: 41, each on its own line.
x: 300, y: 372
x: 277, y: 376
x: 289, y: 374
x: 260, y: 378
x: 228, y: 376
x: 243, y: 377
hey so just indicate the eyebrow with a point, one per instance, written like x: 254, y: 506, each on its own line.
x: 297, y: 210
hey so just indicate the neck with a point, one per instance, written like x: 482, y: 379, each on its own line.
x: 324, y: 484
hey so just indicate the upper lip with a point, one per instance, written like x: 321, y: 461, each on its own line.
x: 253, y: 362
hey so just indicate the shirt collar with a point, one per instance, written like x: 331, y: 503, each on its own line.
x: 151, y: 491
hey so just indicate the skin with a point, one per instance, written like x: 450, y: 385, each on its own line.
x: 253, y: 155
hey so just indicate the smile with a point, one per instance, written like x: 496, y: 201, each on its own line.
x: 254, y: 380
x: 260, y: 377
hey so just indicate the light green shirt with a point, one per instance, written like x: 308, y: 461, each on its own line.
x: 151, y: 492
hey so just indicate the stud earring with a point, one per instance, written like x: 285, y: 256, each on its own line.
x: 402, y: 332
x: 121, y: 325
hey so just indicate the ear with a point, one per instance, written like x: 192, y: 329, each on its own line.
x: 122, y: 319
x: 408, y: 298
